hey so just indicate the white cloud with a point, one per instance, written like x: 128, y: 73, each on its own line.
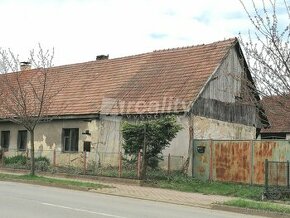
x: 80, y: 30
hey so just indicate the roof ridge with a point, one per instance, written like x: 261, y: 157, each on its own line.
x: 165, y: 78
x: 198, y: 45
x: 148, y: 53
x: 136, y: 55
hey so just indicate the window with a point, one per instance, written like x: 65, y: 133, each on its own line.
x: 22, y: 140
x: 87, y: 146
x: 70, y: 140
x: 5, y: 139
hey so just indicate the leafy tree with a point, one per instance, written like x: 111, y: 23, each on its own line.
x: 151, y: 136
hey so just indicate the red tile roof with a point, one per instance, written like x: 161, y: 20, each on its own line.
x: 162, y: 81
x: 278, y: 113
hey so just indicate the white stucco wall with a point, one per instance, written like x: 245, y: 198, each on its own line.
x: 179, y: 145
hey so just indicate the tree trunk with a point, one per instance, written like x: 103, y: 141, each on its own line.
x: 32, y: 172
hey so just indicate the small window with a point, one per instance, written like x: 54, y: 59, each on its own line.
x: 22, y: 140
x: 87, y: 146
x: 5, y: 139
x: 70, y: 140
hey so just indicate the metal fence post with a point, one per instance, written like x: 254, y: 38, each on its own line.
x: 54, y: 158
x: 139, y: 165
x: 288, y: 185
x: 120, y: 164
x: 266, y: 174
x: 85, y: 163
x: 251, y: 161
x: 210, y: 160
x: 168, y: 164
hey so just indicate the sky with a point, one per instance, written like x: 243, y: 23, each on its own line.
x: 79, y: 30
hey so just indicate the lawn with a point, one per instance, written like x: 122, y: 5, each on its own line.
x: 265, y: 206
x: 65, y: 183
x: 184, y: 184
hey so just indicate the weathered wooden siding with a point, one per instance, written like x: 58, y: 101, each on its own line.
x: 226, y: 82
x: 229, y: 112
x: 226, y: 96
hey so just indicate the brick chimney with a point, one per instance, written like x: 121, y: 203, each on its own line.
x: 25, y: 65
x: 102, y: 57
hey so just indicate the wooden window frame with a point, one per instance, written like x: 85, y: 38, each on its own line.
x: 19, y: 139
x: 5, y: 134
x: 70, y: 136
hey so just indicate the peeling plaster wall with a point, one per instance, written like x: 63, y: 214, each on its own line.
x: 206, y: 128
x: 48, y: 136
x: 106, y: 138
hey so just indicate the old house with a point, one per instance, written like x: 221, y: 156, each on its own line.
x: 277, y: 110
x: 206, y: 86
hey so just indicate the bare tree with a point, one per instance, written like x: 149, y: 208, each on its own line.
x: 26, y: 95
x: 267, y: 47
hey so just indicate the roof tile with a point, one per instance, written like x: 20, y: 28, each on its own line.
x: 162, y: 81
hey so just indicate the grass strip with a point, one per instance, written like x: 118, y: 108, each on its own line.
x: 264, y: 206
x: 65, y: 183
x: 210, y: 188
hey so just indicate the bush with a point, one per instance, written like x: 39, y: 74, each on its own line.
x: 41, y: 165
x: 157, y: 133
x: 22, y: 162
x: 42, y: 159
x: 15, y: 160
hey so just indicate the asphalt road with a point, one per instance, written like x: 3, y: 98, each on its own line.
x: 33, y: 201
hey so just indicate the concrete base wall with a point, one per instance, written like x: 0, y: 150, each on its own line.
x: 206, y: 128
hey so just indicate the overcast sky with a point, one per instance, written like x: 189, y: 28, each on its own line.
x: 81, y: 29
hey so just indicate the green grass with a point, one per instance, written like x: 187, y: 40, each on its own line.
x: 265, y: 206
x: 52, y: 181
x: 210, y: 188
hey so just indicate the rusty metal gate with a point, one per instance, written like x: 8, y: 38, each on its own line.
x: 240, y: 161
